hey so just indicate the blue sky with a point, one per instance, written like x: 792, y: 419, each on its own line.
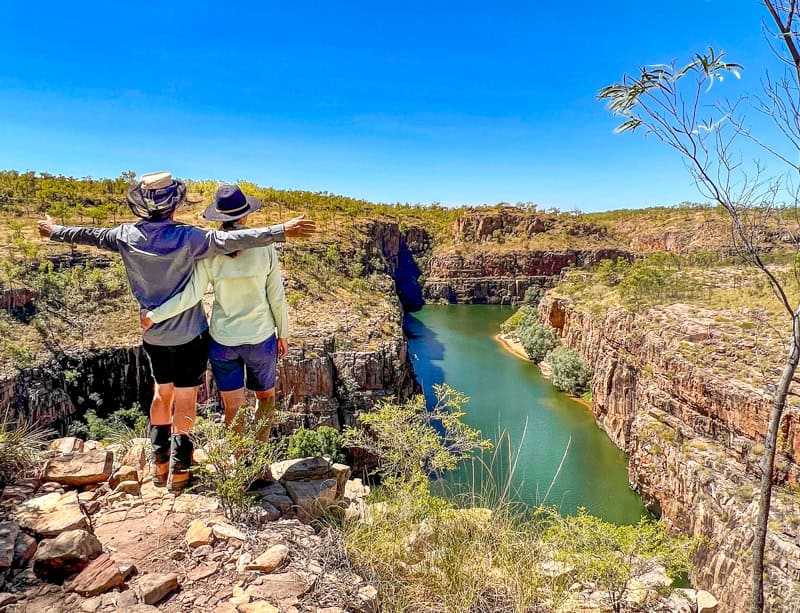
x: 455, y: 102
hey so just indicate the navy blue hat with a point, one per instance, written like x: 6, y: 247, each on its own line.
x: 231, y: 204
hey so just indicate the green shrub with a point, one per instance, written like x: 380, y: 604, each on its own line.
x: 413, y: 442
x: 512, y: 323
x: 533, y: 295
x: 324, y: 441
x: 236, y: 458
x: 537, y: 339
x: 570, y: 372
x: 119, y: 427
x: 611, y: 556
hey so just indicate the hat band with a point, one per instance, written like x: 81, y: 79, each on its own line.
x: 232, y: 211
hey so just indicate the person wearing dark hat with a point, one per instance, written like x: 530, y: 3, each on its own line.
x: 159, y: 254
x: 249, y: 326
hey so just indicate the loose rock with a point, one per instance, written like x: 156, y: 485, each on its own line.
x: 8, y: 540
x: 123, y: 473
x: 198, y: 534
x: 68, y: 444
x: 313, y: 498
x: 51, y: 514
x: 153, y: 588
x: 80, y: 468
x: 101, y: 575
x: 301, y: 469
x: 65, y: 554
x: 272, y: 559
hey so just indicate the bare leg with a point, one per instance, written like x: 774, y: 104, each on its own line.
x: 233, y: 401
x: 265, y: 410
x: 161, y: 408
x: 185, y: 410
x: 182, y: 423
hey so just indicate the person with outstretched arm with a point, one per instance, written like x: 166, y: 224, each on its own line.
x: 159, y: 254
x: 249, y: 322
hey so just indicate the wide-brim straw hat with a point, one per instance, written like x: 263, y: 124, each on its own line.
x: 156, y: 196
x: 231, y: 204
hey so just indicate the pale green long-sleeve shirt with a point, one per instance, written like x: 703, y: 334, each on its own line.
x: 249, y: 302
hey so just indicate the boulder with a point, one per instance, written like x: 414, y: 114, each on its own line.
x: 706, y: 602
x: 68, y: 444
x: 136, y: 456
x: 52, y: 514
x: 123, y: 473
x: 301, y: 469
x: 8, y: 540
x: 198, y: 534
x: 14, y: 494
x: 312, y: 498
x: 80, y: 468
x: 127, y: 487
x: 99, y: 576
x: 272, y: 559
x: 227, y: 532
x: 269, y: 512
x: 283, y: 503
x: 68, y: 553
x: 354, y: 489
x: 154, y: 587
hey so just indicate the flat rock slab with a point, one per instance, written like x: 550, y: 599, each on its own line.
x: 280, y: 586
x: 52, y: 514
x: 301, y: 469
x: 80, y: 468
x: 202, y: 572
x: 258, y: 606
x: 156, y: 587
x: 101, y: 575
x: 68, y: 553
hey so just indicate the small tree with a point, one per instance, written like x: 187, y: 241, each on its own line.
x: 570, y: 371
x: 665, y: 101
x: 537, y: 339
x: 413, y: 442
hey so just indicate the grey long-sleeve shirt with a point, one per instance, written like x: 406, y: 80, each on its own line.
x: 159, y: 259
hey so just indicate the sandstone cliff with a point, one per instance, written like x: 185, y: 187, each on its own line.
x: 693, y: 441
x: 502, y: 278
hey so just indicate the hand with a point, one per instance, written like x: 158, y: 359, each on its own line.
x: 147, y: 323
x: 299, y: 227
x: 45, y: 226
x: 283, y: 348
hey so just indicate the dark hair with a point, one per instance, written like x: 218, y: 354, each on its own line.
x: 227, y: 226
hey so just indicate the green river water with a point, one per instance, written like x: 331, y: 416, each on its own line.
x: 455, y: 344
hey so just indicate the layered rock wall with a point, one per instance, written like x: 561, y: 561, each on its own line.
x: 502, y: 278
x: 693, y: 439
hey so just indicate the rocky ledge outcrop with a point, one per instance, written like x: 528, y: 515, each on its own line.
x: 502, y: 278
x: 108, y: 540
x: 693, y: 439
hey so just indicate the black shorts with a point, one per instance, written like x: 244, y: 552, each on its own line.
x: 181, y: 365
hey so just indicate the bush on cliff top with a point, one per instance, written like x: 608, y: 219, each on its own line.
x: 570, y: 371
x: 324, y: 441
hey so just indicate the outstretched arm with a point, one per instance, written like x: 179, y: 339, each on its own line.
x: 104, y: 238
x: 185, y: 299
x: 216, y: 242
